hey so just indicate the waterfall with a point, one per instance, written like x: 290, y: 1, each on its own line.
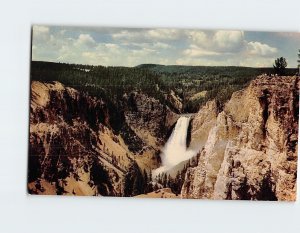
x: 175, y: 150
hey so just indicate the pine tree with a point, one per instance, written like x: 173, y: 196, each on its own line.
x: 159, y: 178
x: 100, y: 178
x: 134, y: 181
x: 169, y: 184
x: 164, y: 180
x: 146, y: 181
x: 150, y: 176
x: 280, y: 65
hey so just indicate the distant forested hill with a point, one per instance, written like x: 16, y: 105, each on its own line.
x: 197, y: 84
x: 192, y: 85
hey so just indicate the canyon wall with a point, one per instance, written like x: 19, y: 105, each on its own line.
x: 79, y: 146
x: 249, y: 150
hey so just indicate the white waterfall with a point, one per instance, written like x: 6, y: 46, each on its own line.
x: 175, y: 150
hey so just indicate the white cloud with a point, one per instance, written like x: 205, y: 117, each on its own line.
x: 112, y: 46
x: 214, y: 43
x: 40, y: 30
x: 231, y: 41
x: 147, y: 35
x: 195, y: 51
x: 124, y: 34
x: 164, y: 46
x: 218, y: 48
x: 93, y: 58
x: 150, y: 45
x: 106, y: 54
x: 85, y: 39
x: 142, y: 52
x: 198, y: 37
x: 260, y: 49
x: 160, y: 45
x: 163, y: 34
x: 62, y: 32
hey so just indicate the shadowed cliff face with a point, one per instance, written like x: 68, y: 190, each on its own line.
x: 148, y: 118
x: 250, y: 150
x: 75, y: 150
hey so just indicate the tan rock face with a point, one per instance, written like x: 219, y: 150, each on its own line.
x: 148, y: 118
x: 175, y: 101
x: 75, y: 148
x: 201, y: 123
x: 71, y: 142
x: 250, y: 149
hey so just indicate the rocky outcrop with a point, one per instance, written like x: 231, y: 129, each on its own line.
x: 201, y: 124
x: 74, y: 148
x: 175, y: 101
x: 148, y: 118
x: 250, y: 151
x: 69, y: 147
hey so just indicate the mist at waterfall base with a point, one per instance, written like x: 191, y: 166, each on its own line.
x: 175, y: 150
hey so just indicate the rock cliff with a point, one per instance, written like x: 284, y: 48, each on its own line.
x: 75, y: 148
x: 249, y: 150
x: 148, y: 118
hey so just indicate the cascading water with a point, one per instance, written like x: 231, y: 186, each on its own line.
x: 175, y: 150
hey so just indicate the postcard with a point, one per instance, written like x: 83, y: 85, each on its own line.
x: 163, y: 113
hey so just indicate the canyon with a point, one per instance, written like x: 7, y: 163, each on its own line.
x: 245, y: 149
x: 75, y: 147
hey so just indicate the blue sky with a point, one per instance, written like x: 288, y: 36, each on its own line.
x: 131, y: 47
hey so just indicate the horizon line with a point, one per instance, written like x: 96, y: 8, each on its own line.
x: 157, y: 64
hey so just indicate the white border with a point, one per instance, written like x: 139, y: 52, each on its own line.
x: 22, y: 213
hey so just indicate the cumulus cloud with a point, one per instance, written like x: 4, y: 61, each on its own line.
x: 198, y: 37
x: 218, y: 41
x: 214, y: 43
x: 125, y: 34
x: 219, y: 47
x: 160, y: 45
x: 143, y: 52
x: 86, y: 40
x: 163, y: 34
x: 147, y: 35
x: 195, y: 51
x: 112, y: 46
x: 107, y: 54
x: 257, y: 48
x: 130, y: 47
x: 154, y: 45
x: 232, y: 41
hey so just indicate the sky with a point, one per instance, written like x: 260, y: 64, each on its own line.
x: 133, y: 46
